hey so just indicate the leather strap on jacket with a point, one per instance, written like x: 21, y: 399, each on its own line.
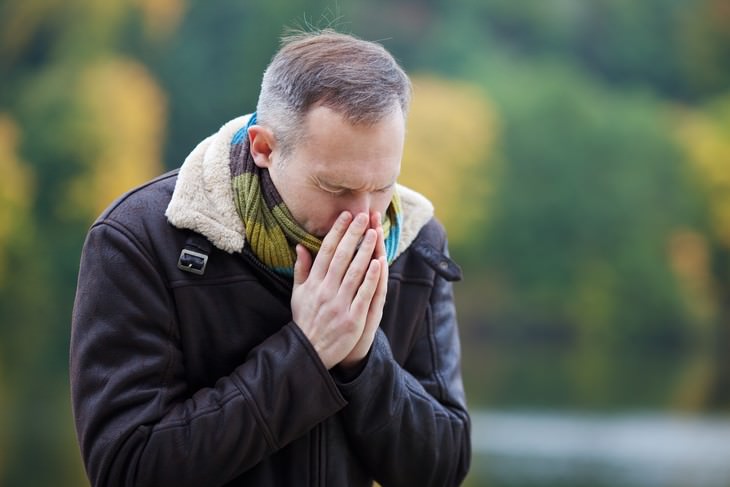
x: 441, y: 263
x: 194, y: 256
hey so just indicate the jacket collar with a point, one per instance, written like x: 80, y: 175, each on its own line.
x: 203, y: 197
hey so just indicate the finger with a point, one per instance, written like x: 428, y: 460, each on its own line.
x: 375, y: 315
x: 359, y: 266
x: 363, y: 298
x: 375, y: 220
x: 329, y: 245
x: 376, y: 223
x: 380, y: 247
x: 382, y: 292
x: 302, y: 266
x: 375, y: 312
x: 346, y: 250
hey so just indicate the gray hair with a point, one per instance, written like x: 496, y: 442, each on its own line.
x: 358, y: 79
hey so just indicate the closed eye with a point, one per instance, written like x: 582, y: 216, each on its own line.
x: 335, y: 192
x: 342, y: 191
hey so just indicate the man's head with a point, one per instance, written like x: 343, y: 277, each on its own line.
x: 357, y: 79
x: 331, y: 126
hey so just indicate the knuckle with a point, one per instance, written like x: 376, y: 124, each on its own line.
x: 329, y: 311
x: 354, y: 273
x: 322, y: 294
x: 349, y: 324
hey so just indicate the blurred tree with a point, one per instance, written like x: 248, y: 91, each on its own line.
x: 211, y: 66
x: 689, y: 255
x: 703, y: 33
x: 70, y: 116
x: 705, y: 135
x: 16, y: 226
x: 27, y: 29
x: 124, y: 114
x: 4, y: 421
x: 589, y: 193
x: 160, y: 18
x: 686, y: 41
x: 16, y: 192
x: 451, y: 132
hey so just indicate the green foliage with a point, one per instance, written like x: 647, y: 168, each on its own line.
x: 679, y: 48
x: 211, y: 66
x: 588, y: 196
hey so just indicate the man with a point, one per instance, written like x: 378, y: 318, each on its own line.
x: 278, y: 311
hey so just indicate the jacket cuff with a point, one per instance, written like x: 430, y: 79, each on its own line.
x: 288, y: 385
x: 344, y: 375
x: 377, y: 387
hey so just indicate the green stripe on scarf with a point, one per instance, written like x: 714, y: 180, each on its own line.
x: 271, y: 231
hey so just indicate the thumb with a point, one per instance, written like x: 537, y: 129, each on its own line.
x: 302, y: 266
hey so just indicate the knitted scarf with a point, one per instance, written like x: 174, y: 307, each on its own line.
x: 271, y: 231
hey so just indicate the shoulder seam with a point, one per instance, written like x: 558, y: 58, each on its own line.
x: 129, y: 235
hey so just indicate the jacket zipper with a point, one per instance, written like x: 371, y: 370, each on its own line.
x: 317, y: 466
x: 283, y: 285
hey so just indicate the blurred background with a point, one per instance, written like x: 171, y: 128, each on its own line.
x: 578, y: 152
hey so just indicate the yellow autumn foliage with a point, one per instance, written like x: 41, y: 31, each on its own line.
x: 689, y: 258
x: 706, y: 140
x: 161, y: 17
x: 16, y: 187
x: 450, y: 135
x: 125, y: 119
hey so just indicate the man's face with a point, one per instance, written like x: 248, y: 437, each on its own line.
x: 339, y: 166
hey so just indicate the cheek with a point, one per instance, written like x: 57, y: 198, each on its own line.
x: 319, y: 213
x: 321, y: 223
x: 381, y: 202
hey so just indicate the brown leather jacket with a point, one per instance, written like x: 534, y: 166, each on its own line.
x: 184, y: 379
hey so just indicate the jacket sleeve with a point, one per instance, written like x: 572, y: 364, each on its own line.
x: 413, y: 429
x: 137, y: 423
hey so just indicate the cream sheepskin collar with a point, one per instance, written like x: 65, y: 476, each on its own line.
x: 203, y: 197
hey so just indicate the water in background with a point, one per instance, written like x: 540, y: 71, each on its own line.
x: 571, y: 449
x: 563, y: 417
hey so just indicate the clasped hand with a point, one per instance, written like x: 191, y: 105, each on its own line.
x: 338, y: 298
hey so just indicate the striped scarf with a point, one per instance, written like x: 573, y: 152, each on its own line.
x: 271, y: 231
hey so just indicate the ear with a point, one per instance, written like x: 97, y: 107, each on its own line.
x: 262, y: 143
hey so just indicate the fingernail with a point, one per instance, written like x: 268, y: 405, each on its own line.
x: 361, y: 219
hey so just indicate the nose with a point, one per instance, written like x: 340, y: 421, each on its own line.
x: 358, y: 203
